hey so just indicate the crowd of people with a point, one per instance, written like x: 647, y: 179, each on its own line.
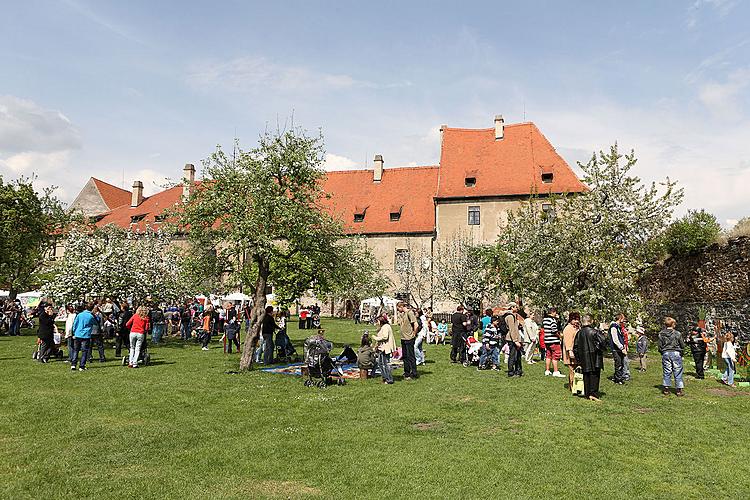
x: 509, y: 335
x: 513, y: 331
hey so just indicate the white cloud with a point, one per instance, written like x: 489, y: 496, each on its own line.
x: 722, y: 8
x: 26, y: 126
x: 336, y: 162
x: 723, y: 98
x: 256, y: 74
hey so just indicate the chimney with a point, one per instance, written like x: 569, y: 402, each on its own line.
x: 499, y: 127
x: 442, y: 133
x: 188, y: 179
x: 137, y: 196
x: 378, y: 173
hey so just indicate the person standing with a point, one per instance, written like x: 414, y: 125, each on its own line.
x: 186, y: 318
x: 422, y: 336
x: 232, y: 327
x: 671, y: 346
x: 97, y: 335
x: 206, y: 327
x: 123, y: 335
x: 409, y: 326
x: 569, y: 336
x: 618, y: 347
x: 386, y: 344
x: 138, y: 325
x: 588, y: 350
x: 14, y: 315
x: 268, y: 327
x: 711, y: 350
x: 641, y: 347
x: 458, y: 335
x: 696, y: 341
x: 552, y: 343
x: 513, y: 339
x: 157, y: 324
x: 490, y: 345
x: 82, y: 326
x: 69, y: 339
x: 531, y: 334
x: 729, y: 355
x: 46, y: 333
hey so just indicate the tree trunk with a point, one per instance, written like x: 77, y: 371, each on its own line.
x: 257, y: 315
x: 12, y: 293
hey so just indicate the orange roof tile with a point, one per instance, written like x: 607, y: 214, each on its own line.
x: 411, y: 188
x: 112, y: 196
x: 509, y: 166
x: 150, y: 207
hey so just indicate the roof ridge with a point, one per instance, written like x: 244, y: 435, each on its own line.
x: 385, y: 169
x: 96, y: 179
x: 462, y: 129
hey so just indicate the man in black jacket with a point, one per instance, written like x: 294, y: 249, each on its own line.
x: 697, y: 344
x: 588, y: 350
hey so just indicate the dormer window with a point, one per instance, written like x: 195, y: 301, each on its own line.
x: 359, y: 217
x: 547, y: 177
x: 470, y: 182
x: 395, y: 213
x: 134, y: 219
x: 95, y: 218
x: 159, y: 218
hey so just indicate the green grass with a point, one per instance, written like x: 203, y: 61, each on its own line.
x: 185, y: 428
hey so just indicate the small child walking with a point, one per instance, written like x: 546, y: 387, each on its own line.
x: 641, y: 348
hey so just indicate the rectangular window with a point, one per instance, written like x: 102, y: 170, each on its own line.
x: 160, y: 218
x: 137, y: 218
x: 470, y: 182
x: 547, y: 177
x: 473, y: 216
x: 548, y: 210
x: 395, y: 216
x: 359, y: 217
x: 401, y: 260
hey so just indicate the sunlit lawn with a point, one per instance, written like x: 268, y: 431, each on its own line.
x: 186, y: 427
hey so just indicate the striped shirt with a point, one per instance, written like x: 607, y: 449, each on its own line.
x: 551, y: 332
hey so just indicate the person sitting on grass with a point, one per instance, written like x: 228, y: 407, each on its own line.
x: 365, y: 356
x: 671, y: 346
x: 386, y: 345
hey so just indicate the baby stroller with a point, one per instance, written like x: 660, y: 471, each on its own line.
x: 285, y: 350
x: 57, y: 352
x: 143, y: 357
x: 319, y: 364
x: 473, y: 352
x: 316, y: 320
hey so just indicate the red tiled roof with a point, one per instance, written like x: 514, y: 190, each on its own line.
x: 411, y: 188
x: 112, y: 196
x: 150, y: 207
x: 512, y: 165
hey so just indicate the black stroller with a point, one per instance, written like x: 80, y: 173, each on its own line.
x: 319, y: 364
x: 143, y: 356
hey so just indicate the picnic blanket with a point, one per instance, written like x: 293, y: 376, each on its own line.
x: 351, y: 371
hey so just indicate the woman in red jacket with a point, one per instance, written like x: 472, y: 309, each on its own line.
x: 138, y: 326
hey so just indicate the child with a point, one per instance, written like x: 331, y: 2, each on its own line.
x: 206, y: 328
x: 365, y: 356
x: 729, y: 355
x: 641, y: 347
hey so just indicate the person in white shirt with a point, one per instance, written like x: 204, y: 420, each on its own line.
x: 69, y: 339
x: 531, y: 337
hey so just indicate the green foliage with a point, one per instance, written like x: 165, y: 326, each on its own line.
x: 259, y: 213
x: 586, y: 251
x: 30, y: 223
x: 690, y: 234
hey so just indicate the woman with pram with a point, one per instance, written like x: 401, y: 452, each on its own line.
x: 386, y: 345
x: 46, y: 333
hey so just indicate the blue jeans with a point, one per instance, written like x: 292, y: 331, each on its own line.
x: 136, y: 341
x: 492, y: 352
x: 185, y: 331
x: 418, y: 351
x: 384, y: 360
x: 15, y: 327
x: 156, y: 332
x: 728, y: 372
x: 71, y: 348
x: 80, y: 346
x: 671, y: 363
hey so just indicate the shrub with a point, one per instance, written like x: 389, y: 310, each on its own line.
x: 742, y: 228
x: 691, y: 233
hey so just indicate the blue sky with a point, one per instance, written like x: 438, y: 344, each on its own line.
x: 98, y: 88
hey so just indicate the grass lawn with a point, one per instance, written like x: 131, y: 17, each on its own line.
x: 185, y: 428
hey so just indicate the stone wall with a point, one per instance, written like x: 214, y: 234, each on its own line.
x: 717, y: 279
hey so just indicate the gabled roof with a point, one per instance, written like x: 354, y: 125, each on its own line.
x: 112, y: 196
x: 149, y: 208
x: 411, y: 189
x: 509, y: 166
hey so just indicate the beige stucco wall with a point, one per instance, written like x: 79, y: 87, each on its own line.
x: 453, y: 217
x: 384, y: 249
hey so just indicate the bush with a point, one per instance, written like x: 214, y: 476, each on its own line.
x: 742, y: 228
x: 691, y: 233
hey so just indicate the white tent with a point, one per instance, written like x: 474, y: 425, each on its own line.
x: 372, y: 306
x: 237, y: 297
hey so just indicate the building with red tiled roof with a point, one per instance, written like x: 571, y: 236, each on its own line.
x: 482, y: 175
x: 98, y: 197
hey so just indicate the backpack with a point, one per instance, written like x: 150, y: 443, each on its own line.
x: 503, y: 328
